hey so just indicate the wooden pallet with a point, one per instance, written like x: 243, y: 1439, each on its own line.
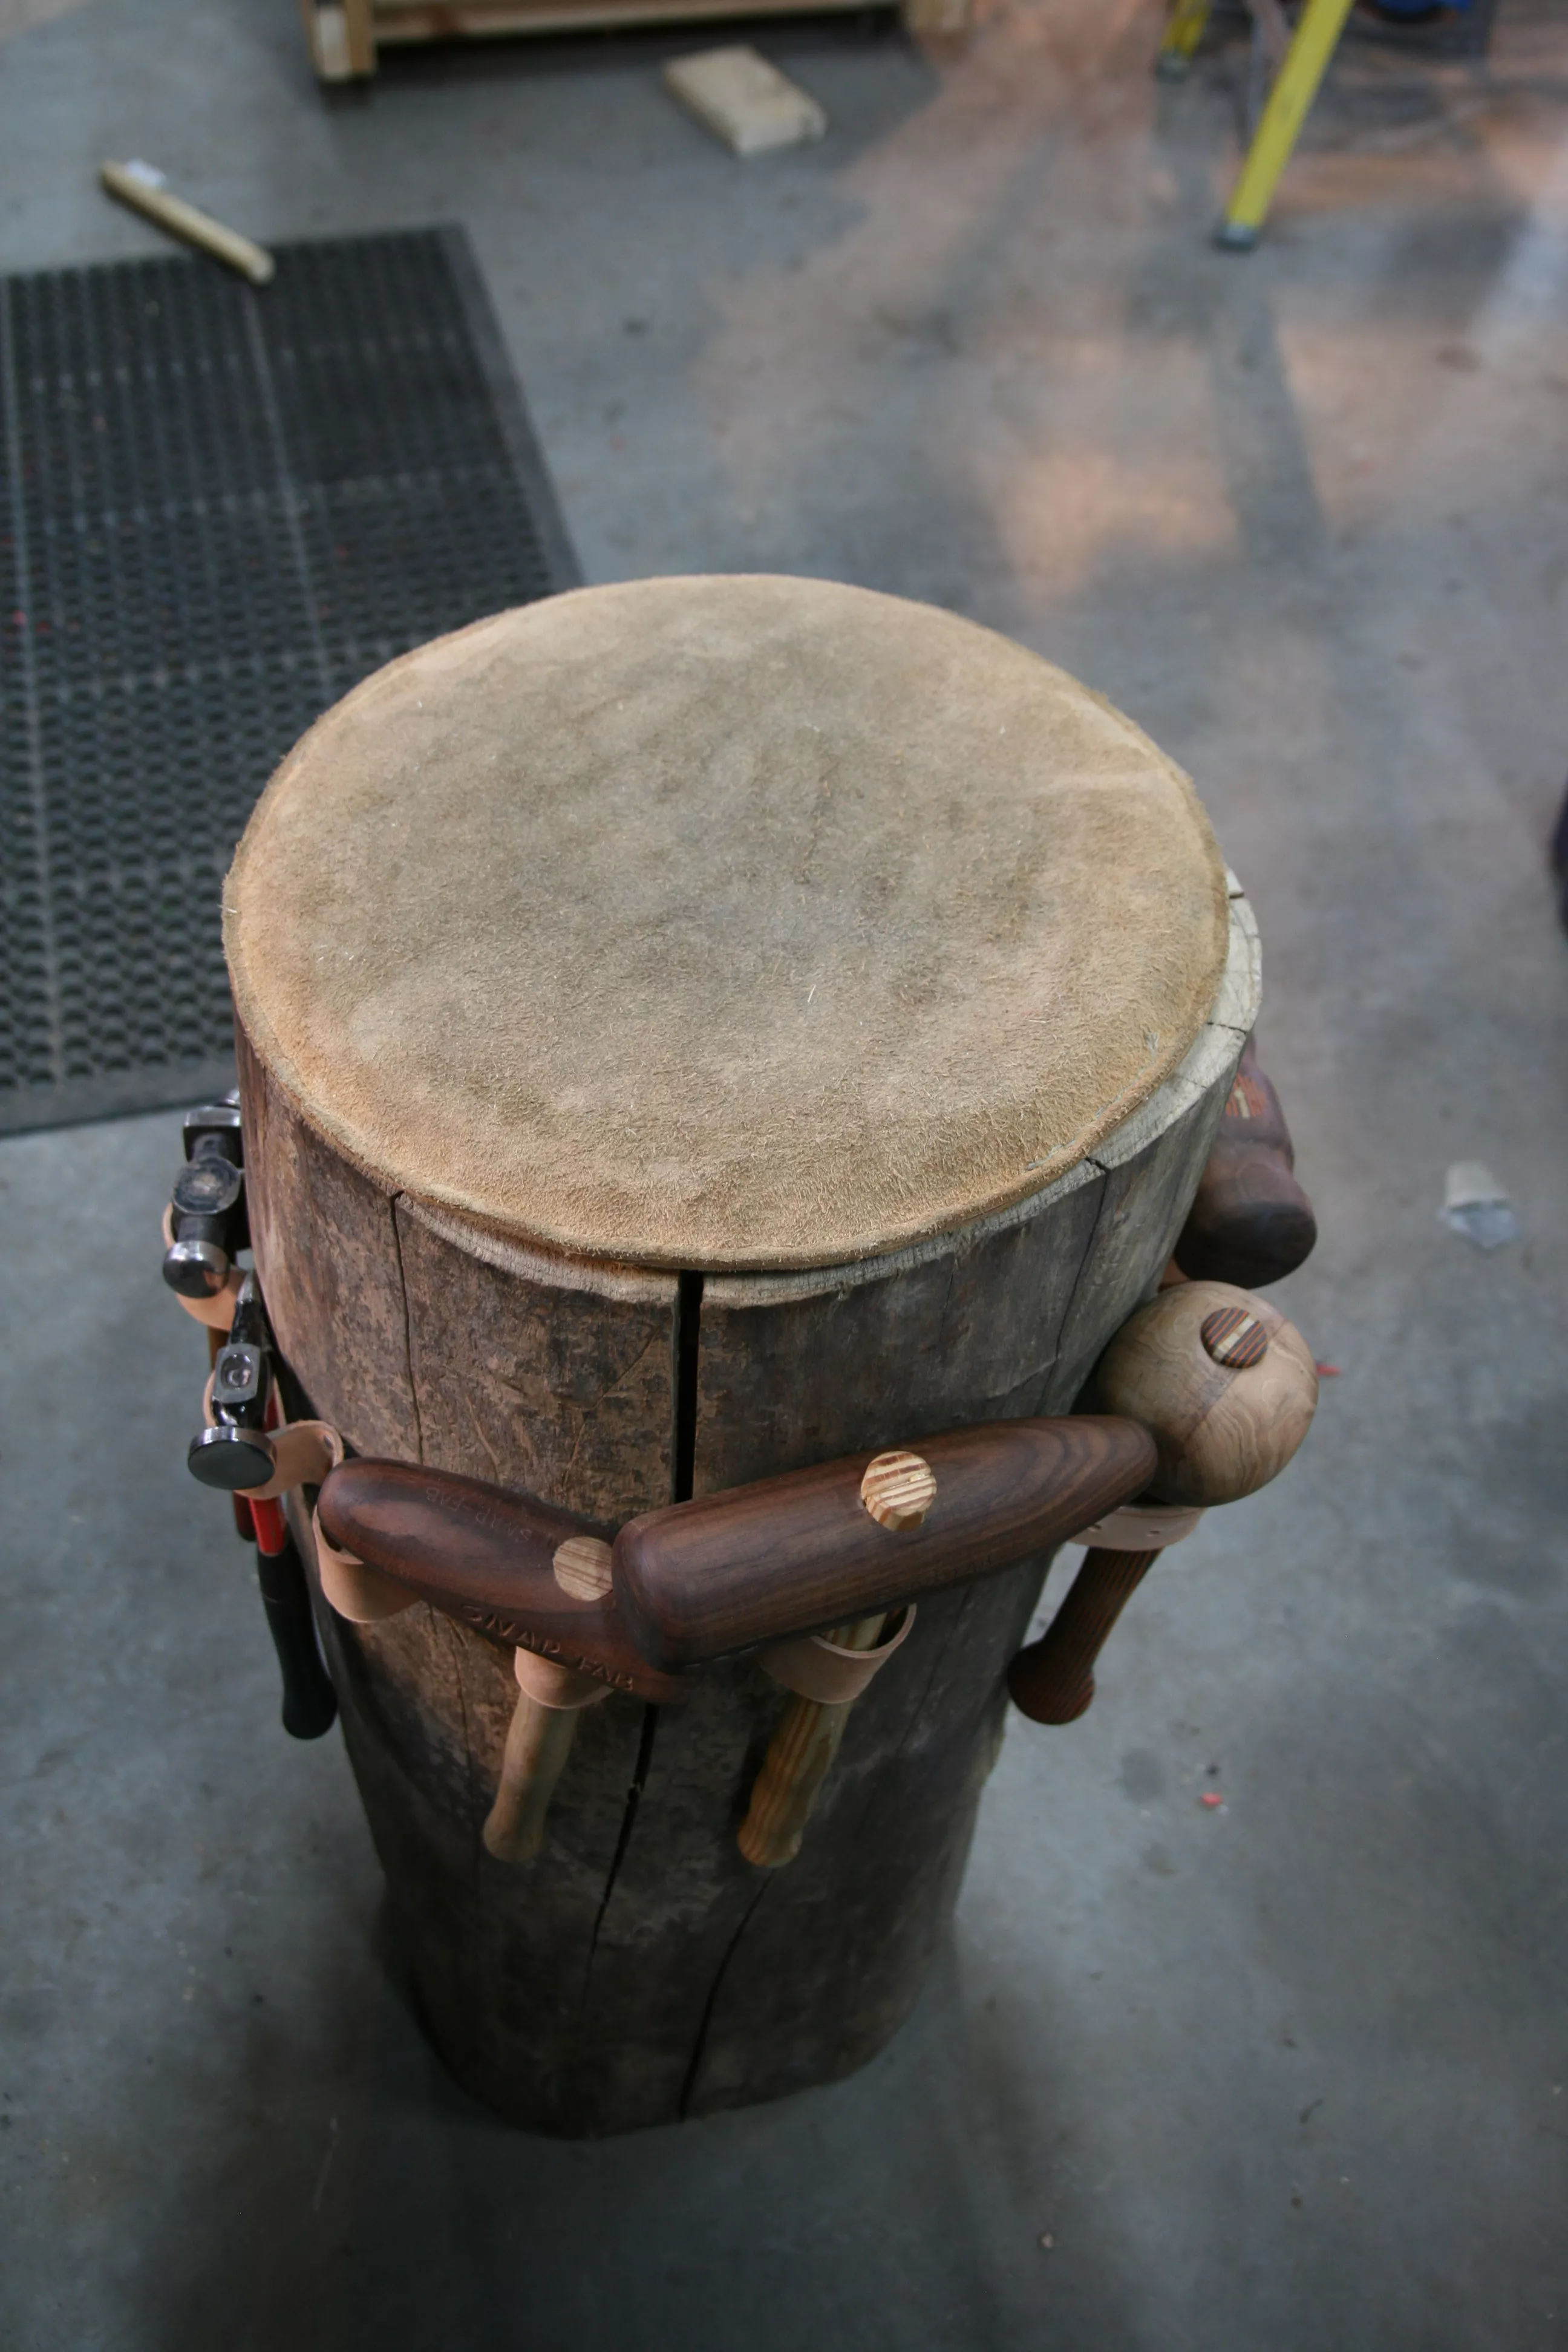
x: 345, y: 36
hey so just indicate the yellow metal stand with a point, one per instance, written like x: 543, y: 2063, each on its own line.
x: 1295, y: 86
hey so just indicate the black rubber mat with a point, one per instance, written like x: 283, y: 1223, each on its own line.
x: 219, y: 508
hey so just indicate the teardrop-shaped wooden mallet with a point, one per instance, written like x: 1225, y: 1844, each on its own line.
x: 1227, y: 1389
x: 1250, y: 1222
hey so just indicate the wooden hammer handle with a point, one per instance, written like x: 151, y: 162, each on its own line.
x: 538, y: 1744
x: 490, y: 1557
x: 804, y: 1549
x: 799, y: 1758
x: 1053, y: 1680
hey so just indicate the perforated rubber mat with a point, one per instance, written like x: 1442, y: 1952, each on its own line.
x: 219, y: 508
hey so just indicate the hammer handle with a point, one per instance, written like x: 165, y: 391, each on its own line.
x: 310, y: 1702
x: 487, y: 1555
x: 785, y: 1793
x: 538, y: 1743
x: 1053, y: 1680
x: 799, y: 1758
x: 802, y: 1550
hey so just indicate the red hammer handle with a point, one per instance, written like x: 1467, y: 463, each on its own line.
x: 1053, y: 1680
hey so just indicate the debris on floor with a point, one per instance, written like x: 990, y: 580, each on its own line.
x: 1477, y: 1205
x: 145, y: 189
x: 743, y: 99
x: 1213, y: 1800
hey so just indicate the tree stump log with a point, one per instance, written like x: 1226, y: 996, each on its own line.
x: 639, y: 1969
x: 690, y: 1030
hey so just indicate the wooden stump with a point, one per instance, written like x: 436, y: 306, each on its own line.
x: 639, y: 1969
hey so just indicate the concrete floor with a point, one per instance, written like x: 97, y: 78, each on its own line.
x: 1292, y: 2074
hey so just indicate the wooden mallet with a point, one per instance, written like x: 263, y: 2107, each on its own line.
x: 825, y: 1675
x: 818, y: 1548
x: 1250, y: 1222
x: 389, y: 1534
x: 836, y: 1545
x: 551, y: 1697
x: 1227, y: 1389
x: 833, y: 1545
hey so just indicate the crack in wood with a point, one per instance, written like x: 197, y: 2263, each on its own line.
x: 407, y: 1333
x: 699, y: 2048
x: 634, y: 1798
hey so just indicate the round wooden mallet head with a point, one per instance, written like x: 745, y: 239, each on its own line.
x: 1226, y: 1387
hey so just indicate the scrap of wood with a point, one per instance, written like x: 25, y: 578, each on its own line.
x: 743, y: 99
x: 139, y: 186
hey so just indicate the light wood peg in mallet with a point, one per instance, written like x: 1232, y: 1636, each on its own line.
x: 551, y: 1697
x: 898, y: 1490
x: 1227, y: 1389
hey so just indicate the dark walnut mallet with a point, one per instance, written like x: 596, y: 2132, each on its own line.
x: 834, y: 1545
x: 1227, y: 1389
x: 806, y: 1551
x: 513, y: 1568
x: 897, y: 1489
x: 1250, y: 1222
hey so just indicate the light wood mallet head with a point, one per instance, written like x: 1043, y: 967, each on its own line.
x: 1227, y: 1389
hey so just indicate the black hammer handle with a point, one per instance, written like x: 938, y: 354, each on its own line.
x: 310, y: 1702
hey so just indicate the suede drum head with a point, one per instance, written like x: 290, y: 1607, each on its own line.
x: 723, y: 923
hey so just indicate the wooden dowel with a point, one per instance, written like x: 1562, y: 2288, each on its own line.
x: 1053, y: 1680
x: 184, y: 221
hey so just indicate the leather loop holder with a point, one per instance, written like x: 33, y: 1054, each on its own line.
x: 814, y: 1666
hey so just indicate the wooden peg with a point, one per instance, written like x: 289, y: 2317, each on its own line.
x: 583, y: 1566
x: 899, y: 1489
x: 1226, y: 1389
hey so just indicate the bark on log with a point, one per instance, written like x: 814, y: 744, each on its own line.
x: 639, y: 1968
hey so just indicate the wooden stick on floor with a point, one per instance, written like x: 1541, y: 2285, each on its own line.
x: 139, y: 186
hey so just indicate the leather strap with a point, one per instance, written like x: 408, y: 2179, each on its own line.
x: 549, y: 1685
x: 216, y: 1312
x: 812, y: 1667
x: 359, y: 1593
x: 1142, y: 1526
